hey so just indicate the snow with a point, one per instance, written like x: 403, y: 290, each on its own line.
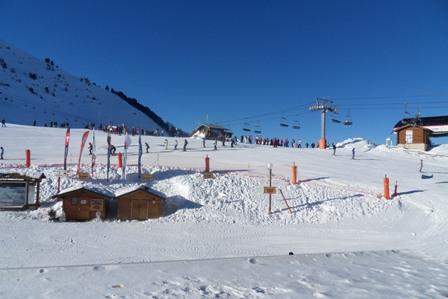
x: 217, y: 239
x: 66, y: 99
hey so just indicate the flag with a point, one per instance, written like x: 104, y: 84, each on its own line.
x: 140, y: 153
x: 108, y: 154
x: 127, y: 143
x: 83, y: 142
x: 93, y: 150
x: 67, y: 142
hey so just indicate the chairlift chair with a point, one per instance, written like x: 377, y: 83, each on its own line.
x: 257, y: 129
x: 246, y: 127
x: 284, y: 122
x: 335, y: 120
x: 296, y: 125
x: 348, y: 120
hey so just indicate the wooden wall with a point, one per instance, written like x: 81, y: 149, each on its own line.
x: 139, y: 205
x: 82, y: 206
x: 419, y: 135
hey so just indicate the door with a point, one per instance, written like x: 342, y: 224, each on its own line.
x: 154, y: 208
x: 84, y: 210
x: 409, y: 136
x: 139, y: 209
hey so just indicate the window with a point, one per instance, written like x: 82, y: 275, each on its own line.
x: 83, y: 202
x: 74, y: 201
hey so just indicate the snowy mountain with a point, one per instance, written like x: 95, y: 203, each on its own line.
x: 39, y: 90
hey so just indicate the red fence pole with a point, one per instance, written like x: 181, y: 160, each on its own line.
x: 27, y: 158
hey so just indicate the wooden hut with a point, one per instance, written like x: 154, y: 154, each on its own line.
x: 139, y: 203
x: 413, y: 137
x: 212, y: 131
x: 82, y: 204
x: 19, y: 192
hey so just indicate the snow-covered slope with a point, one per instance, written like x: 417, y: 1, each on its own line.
x: 217, y: 239
x: 38, y: 90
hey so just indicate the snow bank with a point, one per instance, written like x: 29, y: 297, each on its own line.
x: 360, y: 144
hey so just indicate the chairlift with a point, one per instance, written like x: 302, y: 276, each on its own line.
x: 348, y: 120
x: 335, y: 120
x: 296, y: 125
x: 257, y: 129
x: 246, y: 127
x: 284, y: 122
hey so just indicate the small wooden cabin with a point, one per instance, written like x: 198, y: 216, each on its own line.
x: 413, y: 137
x: 140, y: 203
x: 19, y: 192
x: 83, y: 204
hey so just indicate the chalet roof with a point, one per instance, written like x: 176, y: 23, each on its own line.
x: 144, y: 188
x: 213, y: 126
x: 96, y: 189
x: 423, y: 121
x: 18, y: 176
x: 396, y: 129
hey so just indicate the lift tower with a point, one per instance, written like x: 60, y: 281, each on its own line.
x: 323, y: 106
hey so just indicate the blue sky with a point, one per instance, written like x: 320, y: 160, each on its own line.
x: 232, y: 60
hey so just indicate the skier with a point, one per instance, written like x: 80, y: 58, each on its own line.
x: 306, y: 144
x: 334, y: 149
x: 175, y: 145
x: 421, y: 165
x: 215, y: 145
x: 147, y: 147
x: 90, y: 148
x: 166, y: 144
x: 185, y: 145
x: 353, y: 153
x: 3, y: 123
x: 1, y: 152
x: 223, y: 141
x: 232, y: 142
x: 203, y: 142
x: 112, y: 150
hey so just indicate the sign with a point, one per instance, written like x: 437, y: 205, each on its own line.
x: 147, y: 177
x: 84, y: 176
x: 208, y: 175
x: 270, y: 190
x: 96, y: 205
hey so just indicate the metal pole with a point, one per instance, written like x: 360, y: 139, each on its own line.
x: 270, y: 185
x: 323, y: 122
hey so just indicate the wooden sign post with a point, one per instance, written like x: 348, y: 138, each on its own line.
x: 270, y: 189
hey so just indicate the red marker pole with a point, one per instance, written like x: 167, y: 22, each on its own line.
x: 386, y: 187
x: 120, y: 160
x: 294, y: 174
x: 207, y: 164
x: 27, y: 158
x: 395, y: 189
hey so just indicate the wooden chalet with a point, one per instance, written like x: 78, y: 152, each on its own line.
x: 212, y: 131
x: 139, y: 203
x: 19, y: 192
x: 414, y: 133
x: 84, y: 203
x: 413, y: 137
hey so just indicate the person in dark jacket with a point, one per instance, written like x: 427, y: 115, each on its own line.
x: 2, y: 151
x: 334, y: 149
x: 147, y: 147
x: 185, y: 145
x: 90, y: 148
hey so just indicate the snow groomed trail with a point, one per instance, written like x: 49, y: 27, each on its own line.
x: 400, y: 244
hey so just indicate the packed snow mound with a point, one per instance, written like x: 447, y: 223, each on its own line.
x: 39, y: 90
x: 360, y: 144
x: 440, y: 150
